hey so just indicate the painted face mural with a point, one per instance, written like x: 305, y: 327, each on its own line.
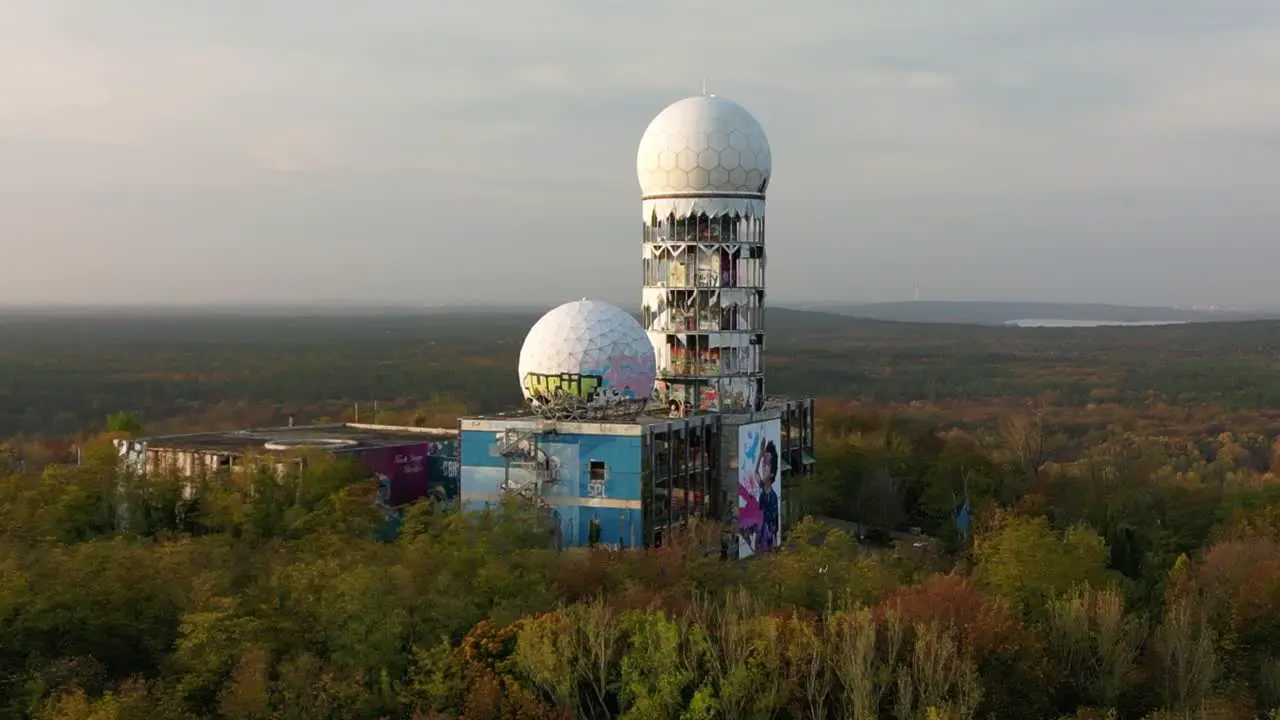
x: 759, y: 501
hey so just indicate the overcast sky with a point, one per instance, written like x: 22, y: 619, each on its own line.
x: 439, y: 151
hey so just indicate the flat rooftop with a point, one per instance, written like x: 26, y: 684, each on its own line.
x: 653, y: 415
x: 345, y: 437
x: 648, y: 417
x: 529, y: 421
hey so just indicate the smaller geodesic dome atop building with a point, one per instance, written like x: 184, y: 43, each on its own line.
x: 586, y: 358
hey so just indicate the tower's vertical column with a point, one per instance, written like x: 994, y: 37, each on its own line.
x: 704, y: 164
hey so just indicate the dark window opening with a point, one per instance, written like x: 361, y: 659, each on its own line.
x: 597, y: 471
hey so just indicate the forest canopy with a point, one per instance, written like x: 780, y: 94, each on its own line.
x: 1122, y: 559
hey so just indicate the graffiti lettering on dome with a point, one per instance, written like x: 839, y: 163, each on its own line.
x: 572, y: 384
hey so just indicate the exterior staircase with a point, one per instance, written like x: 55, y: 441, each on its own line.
x: 520, y: 448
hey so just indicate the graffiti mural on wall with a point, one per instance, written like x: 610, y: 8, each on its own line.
x: 581, y: 386
x: 758, y: 488
x: 404, y: 473
x: 449, y: 468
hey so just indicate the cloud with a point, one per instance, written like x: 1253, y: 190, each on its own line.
x: 981, y: 119
x: 240, y: 75
x: 1230, y: 88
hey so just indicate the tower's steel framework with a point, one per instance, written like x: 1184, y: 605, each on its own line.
x: 704, y: 165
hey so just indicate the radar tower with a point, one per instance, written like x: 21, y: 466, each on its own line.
x: 704, y: 165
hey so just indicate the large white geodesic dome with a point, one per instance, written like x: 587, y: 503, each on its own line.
x: 704, y: 144
x: 587, y: 353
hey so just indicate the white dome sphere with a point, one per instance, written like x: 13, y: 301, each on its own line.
x: 704, y: 144
x: 588, y: 352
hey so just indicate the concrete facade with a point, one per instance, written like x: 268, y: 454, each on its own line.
x: 636, y: 478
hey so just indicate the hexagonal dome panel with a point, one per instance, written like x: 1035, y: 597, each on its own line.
x: 699, y: 178
x: 591, y: 351
x: 687, y: 159
x: 708, y: 133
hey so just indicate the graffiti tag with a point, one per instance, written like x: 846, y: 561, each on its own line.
x: 411, y: 463
x: 572, y: 384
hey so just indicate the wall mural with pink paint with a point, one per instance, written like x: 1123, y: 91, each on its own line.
x: 410, y: 472
x: 759, y: 488
x: 628, y: 377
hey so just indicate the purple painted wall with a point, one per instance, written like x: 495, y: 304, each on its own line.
x: 405, y: 471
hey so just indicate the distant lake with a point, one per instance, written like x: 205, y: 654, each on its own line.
x: 1035, y: 322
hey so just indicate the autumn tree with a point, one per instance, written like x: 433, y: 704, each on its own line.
x: 1022, y: 558
x: 1095, y: 643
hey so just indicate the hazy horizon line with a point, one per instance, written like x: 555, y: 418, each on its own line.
x: 365, y: 305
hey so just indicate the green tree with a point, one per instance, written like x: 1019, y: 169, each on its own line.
x: 214, y: 636
x: 124, y: 422
x: 1022, y: 558
x: 654, y: 677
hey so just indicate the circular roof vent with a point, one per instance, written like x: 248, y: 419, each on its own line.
x: 309, y: 444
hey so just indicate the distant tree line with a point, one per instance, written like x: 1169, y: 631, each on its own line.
x: 60, y: 377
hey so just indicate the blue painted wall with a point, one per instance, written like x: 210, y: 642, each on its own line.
x: 483, y: 471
